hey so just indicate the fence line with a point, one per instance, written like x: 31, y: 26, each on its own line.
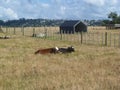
x: 90, y: 37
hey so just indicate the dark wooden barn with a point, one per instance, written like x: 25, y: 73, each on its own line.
x: 73, y: 26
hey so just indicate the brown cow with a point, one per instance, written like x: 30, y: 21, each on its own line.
x: 47, y: 50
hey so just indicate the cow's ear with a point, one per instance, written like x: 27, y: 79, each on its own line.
x: 72, y: 46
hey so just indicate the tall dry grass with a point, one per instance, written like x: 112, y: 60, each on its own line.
x: 88, y: 68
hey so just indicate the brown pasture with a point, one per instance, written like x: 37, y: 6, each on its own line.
x: 90, y: 67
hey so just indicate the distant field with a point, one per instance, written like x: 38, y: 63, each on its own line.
x: 88, y: 68
x: 95, y: 36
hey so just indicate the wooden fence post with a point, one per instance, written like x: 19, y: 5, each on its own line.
x: 21, y: 28
x: 81, y: 37
x: 110, y: 39
x: 61, y: 34
x: 119, y: 39
x: 23, y: 31
x: 45, y: 33
x: 102, y: 38
x: 105, y: 38
x: 6, y: 29
x: 34, y: 35
x: 14, y: 31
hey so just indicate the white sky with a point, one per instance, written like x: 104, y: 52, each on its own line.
x: 57, y: 9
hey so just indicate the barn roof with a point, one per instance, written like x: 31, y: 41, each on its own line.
x: 70, y: 23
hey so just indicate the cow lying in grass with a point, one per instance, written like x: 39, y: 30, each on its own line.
x: 67, y: 50
x: 55, y: 50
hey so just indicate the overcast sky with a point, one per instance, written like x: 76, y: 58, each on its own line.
x: 57, y: 9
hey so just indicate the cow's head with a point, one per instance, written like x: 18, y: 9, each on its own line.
x: 71, y: 49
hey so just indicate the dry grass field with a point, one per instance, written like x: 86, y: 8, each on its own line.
x: 90, y: 67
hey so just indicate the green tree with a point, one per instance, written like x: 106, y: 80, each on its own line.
x: 113, y: 16
x: 1, y: 22
x: 118, y: 20
x: 104, y: 22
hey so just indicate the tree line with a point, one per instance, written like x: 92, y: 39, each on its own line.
x: 42, y: 22
x: 31, y: 22
x: 113, y: 18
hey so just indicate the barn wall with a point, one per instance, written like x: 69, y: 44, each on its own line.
x: 66, y: 30
x: 72, y: 27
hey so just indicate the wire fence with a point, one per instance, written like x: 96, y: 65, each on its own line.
x: 94, y: 38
